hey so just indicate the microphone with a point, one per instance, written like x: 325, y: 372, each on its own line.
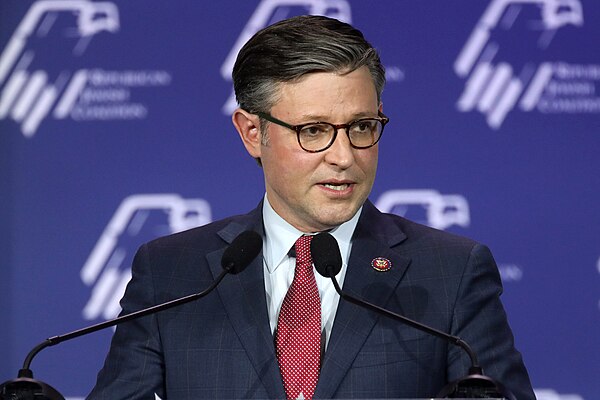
x: 244, y: 248
x: 327, y: 259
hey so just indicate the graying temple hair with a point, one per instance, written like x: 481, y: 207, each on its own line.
x: 292, y: 48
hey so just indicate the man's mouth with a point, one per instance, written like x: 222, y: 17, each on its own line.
x: 339, y: 187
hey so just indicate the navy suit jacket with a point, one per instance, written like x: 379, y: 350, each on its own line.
x: 221, y: 346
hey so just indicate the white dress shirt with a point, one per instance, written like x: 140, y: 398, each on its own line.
x: 279, y: 266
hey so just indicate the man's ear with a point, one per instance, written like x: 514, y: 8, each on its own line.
x: 248, y: 127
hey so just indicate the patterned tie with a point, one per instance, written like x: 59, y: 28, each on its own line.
x: 299, y: 328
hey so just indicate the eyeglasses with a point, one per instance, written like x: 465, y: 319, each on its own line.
x: 315, y: 137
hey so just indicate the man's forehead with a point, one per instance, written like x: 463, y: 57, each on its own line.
x: 317, y: 91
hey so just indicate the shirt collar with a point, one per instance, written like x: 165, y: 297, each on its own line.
x: 281, y: 236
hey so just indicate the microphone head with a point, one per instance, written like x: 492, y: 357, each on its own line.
x: 244, y: 248
x: 326, y: 255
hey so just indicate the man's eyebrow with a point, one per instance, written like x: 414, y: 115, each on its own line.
x: 320, y: 118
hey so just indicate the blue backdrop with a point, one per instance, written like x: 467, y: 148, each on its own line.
x: 115, y: 128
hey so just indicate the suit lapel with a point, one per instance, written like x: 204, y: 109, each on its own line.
x: 244, y: 300
x: 373, y: 238
x: 243, y: 297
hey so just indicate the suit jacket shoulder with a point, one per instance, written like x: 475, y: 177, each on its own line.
x: 443, y: 280
x: 217, y: 347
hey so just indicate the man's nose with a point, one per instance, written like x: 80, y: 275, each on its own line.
x: 341, y: 152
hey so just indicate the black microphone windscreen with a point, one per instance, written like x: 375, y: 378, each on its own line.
x: 326, y: 254
x: 244, y: 248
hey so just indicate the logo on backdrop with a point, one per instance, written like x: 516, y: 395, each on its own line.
x: 270, y: 11
x: 426, y: 206
x: 440, y: 211
x: 33, y: 86
x: 494, y: 87
x: 510, y: 272
x: 551, y: 394
x: 138, y: 219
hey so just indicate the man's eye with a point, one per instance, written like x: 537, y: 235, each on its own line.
x: 314, y: 130
x: 363, y: 127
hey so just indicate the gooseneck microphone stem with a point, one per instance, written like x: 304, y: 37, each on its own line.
x: 328, y: 263
x: 236, y: 257
x: 474, y: 369
x: 25, y: 372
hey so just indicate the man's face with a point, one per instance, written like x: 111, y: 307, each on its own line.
x: 318, y: 191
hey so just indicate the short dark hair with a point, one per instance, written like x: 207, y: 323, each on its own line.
x: 292, y: 48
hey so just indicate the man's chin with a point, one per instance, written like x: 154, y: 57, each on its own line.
x: 336, y: 217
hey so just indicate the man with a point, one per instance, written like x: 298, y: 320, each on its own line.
x: 309, y: 90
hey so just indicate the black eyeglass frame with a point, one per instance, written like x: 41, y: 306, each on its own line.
x: 297, y: 128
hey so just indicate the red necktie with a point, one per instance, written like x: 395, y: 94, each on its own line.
x: 299, y: 328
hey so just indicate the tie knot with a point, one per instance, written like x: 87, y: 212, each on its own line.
x: 302, y: 248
